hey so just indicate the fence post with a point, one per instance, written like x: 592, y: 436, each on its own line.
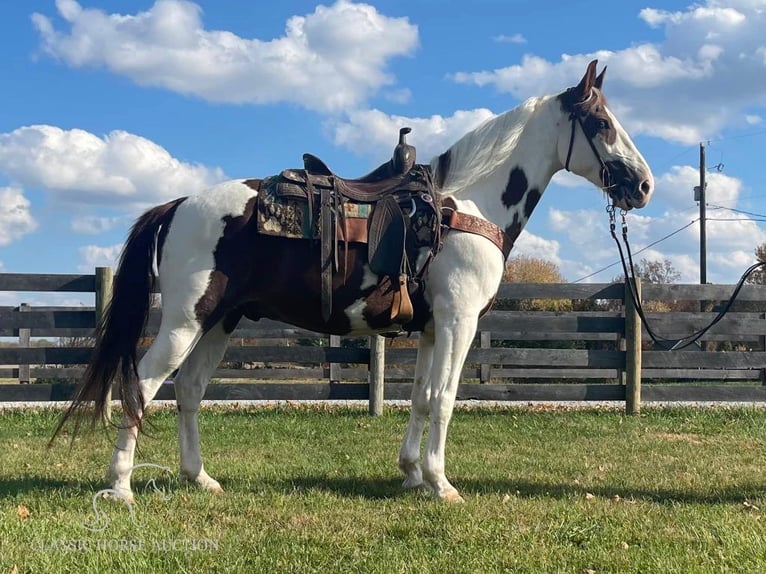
x: 632, y: 350
x: 104, y: 281
x: 24, y: 340
x: 376, y: 373
x: 762, y: 347
x: 334, y: 367
x: 485, y: 370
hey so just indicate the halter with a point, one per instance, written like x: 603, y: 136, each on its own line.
x: 605, y: 175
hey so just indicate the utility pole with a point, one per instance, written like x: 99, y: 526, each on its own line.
x: 703, y: 231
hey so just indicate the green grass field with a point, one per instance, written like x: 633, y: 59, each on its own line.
x: 317, y: 490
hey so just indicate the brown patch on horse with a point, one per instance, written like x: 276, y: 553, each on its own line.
x: 253, y: 183
x: 533, y: 197
x: 514, y: 229
x: 228, y: 263
x: 442, y: 168
x: 515, y: 188
x: 591, y: 109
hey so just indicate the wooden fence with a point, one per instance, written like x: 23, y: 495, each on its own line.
x: 592, y: 348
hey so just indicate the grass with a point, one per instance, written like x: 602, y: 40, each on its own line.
x: 317, y: 490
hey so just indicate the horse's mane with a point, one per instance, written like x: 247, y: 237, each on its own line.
x: 480, y: 152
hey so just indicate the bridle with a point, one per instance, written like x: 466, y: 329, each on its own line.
x: 605, y: 175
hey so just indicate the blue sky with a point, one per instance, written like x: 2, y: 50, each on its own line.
x: 110, y: 107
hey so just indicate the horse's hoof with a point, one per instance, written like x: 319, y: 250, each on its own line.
x: 453, y: 497
x: 214, y: 488
x: 204, y: 482
x: 120, y: 495
x: 413, y: 482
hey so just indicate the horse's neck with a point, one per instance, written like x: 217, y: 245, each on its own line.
x: 507, y: 193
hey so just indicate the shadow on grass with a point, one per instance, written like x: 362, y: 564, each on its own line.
x: 10, y: 487
x: 391, y: 487
x: 527, y: 489
x: 377, y: 488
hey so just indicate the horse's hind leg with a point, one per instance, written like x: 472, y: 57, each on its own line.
x: 190, y: 385
x: 173, y: 343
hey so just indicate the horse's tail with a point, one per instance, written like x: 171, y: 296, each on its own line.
x: 118, y: 334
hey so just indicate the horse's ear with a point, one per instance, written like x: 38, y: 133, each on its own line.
x: 582, y: 90
x: 600, y: 79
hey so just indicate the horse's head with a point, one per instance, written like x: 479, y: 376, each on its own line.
x: 594, y: 145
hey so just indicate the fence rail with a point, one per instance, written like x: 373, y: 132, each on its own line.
x: 599, y: 349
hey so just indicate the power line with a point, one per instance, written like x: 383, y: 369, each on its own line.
x: 739, y: 211
x: 736, y: 219
x: 668, y: 236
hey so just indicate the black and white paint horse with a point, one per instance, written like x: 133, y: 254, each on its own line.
x: 214, y: 268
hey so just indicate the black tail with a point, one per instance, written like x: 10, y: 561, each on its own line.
x: 118, y: 334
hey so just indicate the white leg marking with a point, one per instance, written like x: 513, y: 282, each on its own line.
x: 409, y: 455
x: 190, y: 384
x: 453, y: 338
x: 168, y: 351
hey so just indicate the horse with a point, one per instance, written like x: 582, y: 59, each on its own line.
x: 214, y: 267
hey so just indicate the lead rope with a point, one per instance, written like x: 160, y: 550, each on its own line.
x: 665, y: 343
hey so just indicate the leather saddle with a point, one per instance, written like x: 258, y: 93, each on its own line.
x: 375, y: 185
x: 402, y: 210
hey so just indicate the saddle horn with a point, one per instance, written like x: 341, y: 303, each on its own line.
x: 404, y: 154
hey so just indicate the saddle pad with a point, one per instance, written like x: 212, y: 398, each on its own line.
x: 283, y: 210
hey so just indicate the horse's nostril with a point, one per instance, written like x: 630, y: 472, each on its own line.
x: 645, y: 187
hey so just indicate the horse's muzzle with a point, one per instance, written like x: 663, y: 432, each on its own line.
x: 628, y: 190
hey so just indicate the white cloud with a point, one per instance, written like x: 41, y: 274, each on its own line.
x: 531, y: 245
x: 92, y: 256
x: 77, y: 165
x: 93, y: 225
x: 676, y: 187
x: 753, y: 119
x: 331, y: 59
x: 586, y: 246
x: 373, y: 132
x: 512, y: 39
x: 15, y: 218
x: 568, y: 179
x: 704, y: 75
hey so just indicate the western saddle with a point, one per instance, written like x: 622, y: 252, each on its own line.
x: 393, y: 209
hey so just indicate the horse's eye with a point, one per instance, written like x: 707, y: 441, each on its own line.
x: 603, y: 125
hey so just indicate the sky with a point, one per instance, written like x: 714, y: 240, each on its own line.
x: 108, y: 108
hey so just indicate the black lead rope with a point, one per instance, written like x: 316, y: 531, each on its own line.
x: 665, y: 343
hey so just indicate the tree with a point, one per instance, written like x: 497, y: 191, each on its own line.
x: 656, y: 272
x: 758, y: 277
x: 526, y: 269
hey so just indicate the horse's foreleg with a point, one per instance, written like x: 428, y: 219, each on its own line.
x: 190, y: 385
x: 170, y: 348
x: 453, y: 336
x: 409, y: 455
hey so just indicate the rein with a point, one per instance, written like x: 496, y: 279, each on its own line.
x: 666, y: 344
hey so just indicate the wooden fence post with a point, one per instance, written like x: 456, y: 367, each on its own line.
x: 24, y: 340
x: 485, y: 370
x: 762, y: 347
x: 104, y: 281
x: 632, y: 349
x: 375, y: 374
x: 334, y: 367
